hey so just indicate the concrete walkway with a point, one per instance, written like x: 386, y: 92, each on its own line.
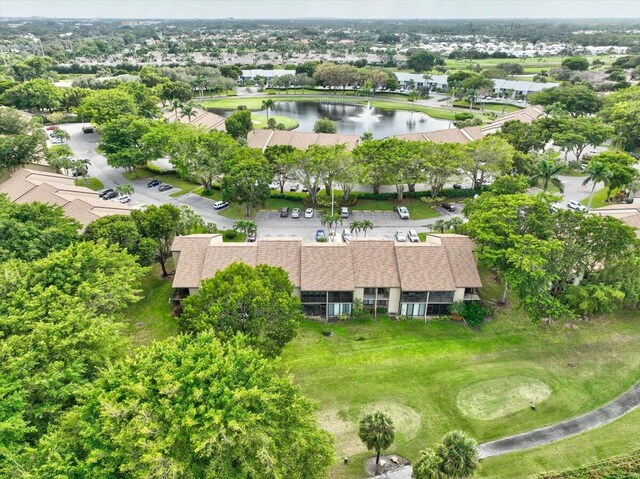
x: 562, y: 430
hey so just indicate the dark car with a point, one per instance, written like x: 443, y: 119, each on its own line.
x: 88, y: 129
x: 448, y: 206
x: 153, y: 183
x: 109, y: 196
x: 105, y: 192
x: 284, y: 212
x: 320, y: 236
x: 165, y: 187
x: 457, y: 186
x: 251, y: 237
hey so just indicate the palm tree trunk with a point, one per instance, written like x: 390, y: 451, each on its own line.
x: 593, y: 188
x: 378, y: 457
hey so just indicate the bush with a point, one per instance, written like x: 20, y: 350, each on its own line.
x: 473, y: 312
x: 230, y: 234
x: 463, y: 116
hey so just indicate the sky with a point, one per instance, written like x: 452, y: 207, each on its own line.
x: 427, y: 9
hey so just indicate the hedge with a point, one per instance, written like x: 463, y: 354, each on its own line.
x: 445, y: 193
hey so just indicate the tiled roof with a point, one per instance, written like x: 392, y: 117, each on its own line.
x: 526, y: 115
x: 83, y: 204
x: 444, y: 263
x: 298, y: 139
x: 202, y: 118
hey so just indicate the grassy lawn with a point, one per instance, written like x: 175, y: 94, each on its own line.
x: 417, y: 209
x: 184, y: 186
x: 150, y: 319
x: 598, y: 198
x: 92, y: 183
x: 497, y: 107
x: 530, y: 65
x: 260, y: 121
x: 426, y: 375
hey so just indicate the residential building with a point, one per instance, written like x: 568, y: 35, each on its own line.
x: 300, y: 139
x: 202, y: 118
x: 268, y: 75
x: 27, y: 185
x: 408, y: 279
x: 500, y: 86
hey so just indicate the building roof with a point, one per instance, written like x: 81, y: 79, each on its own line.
x: 443, y: 263
x: 526, y: 115
x: 261, y: 139
x: 450, y: 135
x: 202, y: 118
x: 83, y: 204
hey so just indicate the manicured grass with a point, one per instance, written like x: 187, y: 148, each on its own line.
x: 417, y: 209
x: 530, y: 65
x: 417, y: 372
x: 92, y: 183
x: 497, y: 107
x: 184, y: 185
x: 150, y: 319
x: 260, y: 121
x: 598, y: 198
x: 620, y: 437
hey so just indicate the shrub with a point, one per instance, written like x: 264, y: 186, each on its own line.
x: 473, y: 312
x: 463, y: 116
x: 230, y: 234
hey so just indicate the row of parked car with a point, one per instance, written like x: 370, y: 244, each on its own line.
x: 110, y: 194
x: 161, y: 186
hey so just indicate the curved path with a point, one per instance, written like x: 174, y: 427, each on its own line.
x: 562, y: 430
x: 611, y: 411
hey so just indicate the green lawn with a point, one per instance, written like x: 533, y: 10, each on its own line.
x: 497, y: 107
x: 260, y: 121
x: 92, y: 183
x: 598, y: 198
x: 183, y: 185
x: 530, y: 65
x: 150, y: 319
x: 420, y: 372
x: 417, y: 209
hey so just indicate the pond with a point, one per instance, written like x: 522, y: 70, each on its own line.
x: 356, y: 119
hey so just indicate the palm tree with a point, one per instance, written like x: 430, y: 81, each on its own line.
x: 81, y: 166
x: 455, y: 223
x: 439, y: 225
x: 267, y: 105
x: 377, y: 432
x: 331, y: 221
x: 188, y: 111
x: 366, y: 225
x: 175, y: 106
x: 200, y: 83
x: 597, y: 172
x: 355, y: 226
x: 428, y: 466
x: 245, y: 226
x: 547, y: 172
x: 413, y: 97
x: 458, y: 455
x: 124, y: 190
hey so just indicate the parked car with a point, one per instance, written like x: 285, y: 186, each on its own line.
x: 344, y: 212
x: 574, y: 205
x: 448, y: 206
x: 57, y: 141
x: 284, y: 212
x: 153, y: 183
x: 165, y: 187
x: 346, y: 235
x: 88, y: 129
x: 401, y: 236
x: 105, y: 192
x: 305, y: 189
x: 218, y: 205
x: 274, y: 185
x: 403, y: 212
x: 251, y: 237
x: 124, y: 199
x: 294, y: 187
x: 413, y: 236
x: 109, y: 196
x: 457, y: 186
x: 53, y: 127
x: 320, y: 236
x: 308, y: 213
x: 295, y: 213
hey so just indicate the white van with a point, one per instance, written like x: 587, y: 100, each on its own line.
x: 344, y: 212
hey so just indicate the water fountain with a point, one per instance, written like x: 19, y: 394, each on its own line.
x: 367, y: 115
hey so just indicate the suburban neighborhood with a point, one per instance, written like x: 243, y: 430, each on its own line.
x: 305, y: 240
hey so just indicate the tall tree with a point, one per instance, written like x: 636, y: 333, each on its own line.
x: 122, y: 231
x: 239, y: 124
x: 246, y: 179
x: 102, y: 106
x: 121, y: 142
x: 267, y: 430
x: 575, y: 99
x: 377, y: 432
x: 489, y: 155
x: 34, y: 95
x: 158, y: 223
x: 576, y: 133
x: 597, y: 172
x: 547, y: 171
x: 267, y: 105
x: 282, y: 160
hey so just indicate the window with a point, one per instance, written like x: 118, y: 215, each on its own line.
x: 368, y: 302
x: 314, y: 297
x: 340, y: 296
x: 441, y: 297
x: 414, y: 296
x: 437, y: 309
x: 383, y: 292
x: 370, y: 291
x: 470, y: 291
x: 336, y: 309
x: 412, y: 309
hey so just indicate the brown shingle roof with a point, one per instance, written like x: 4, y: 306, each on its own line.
x: 424, y: 267
x: 193, y: 250
x: 326, y: 267
x: 298, y: 139
x: 459, y: 251
x: 220, y: 256
x: 452, y: 135
x: 374, y: 262
x: 283, y: 253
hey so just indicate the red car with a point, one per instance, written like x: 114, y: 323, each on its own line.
x: 53, y: 127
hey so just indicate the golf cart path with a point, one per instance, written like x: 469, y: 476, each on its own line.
x: 605, y: 414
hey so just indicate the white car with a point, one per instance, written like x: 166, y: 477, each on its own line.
x: 403, y: 212
x: 218, y: 205
x: 295, y: 213
x: 413, y: 236
x: 401, y: 236
x: 574, y: 205
x: 308, y: 213
x: 123, y: 199
x: 274, y: 185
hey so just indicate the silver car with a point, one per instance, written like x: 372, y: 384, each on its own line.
x: 401, y: 236
x: 413, y: 236
x: 295, y: 213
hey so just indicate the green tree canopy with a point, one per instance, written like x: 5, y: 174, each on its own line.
x: 246, y: 179
x: 121, y: 230
x: 575, y: 99
x: 377, y: 432
x: 239, y: 124
x: 34, y: 95
x: 575, y: 63
x: 159, y: 224
x: 102, y: 106
x: 325, y: 125
x: 202, y: 409
x: 257, y: 302
x: 423, y: 61
x: 121, y: 141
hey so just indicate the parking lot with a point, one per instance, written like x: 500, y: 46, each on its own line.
x: 358, y: 215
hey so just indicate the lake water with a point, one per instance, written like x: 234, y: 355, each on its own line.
x: 355, y: 119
